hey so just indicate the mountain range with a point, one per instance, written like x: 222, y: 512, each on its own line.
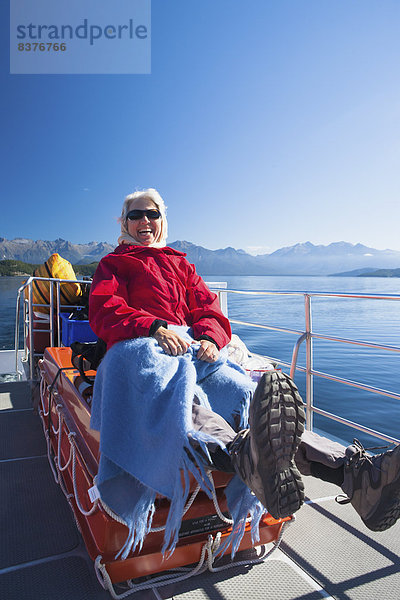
x: 300, y: 259
x: 38, y: 251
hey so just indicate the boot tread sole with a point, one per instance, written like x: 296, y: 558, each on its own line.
x: 276, y: 425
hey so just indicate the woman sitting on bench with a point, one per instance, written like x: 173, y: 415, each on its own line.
x: 166, y: 398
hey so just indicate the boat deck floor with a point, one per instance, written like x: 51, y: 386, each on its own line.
x: 327, y: 552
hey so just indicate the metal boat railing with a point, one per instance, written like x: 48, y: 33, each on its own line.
x: 303, y: 336
x: 307, y: 336
x: 53, y: 309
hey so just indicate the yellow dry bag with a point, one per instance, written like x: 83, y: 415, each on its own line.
x: 55, y: 267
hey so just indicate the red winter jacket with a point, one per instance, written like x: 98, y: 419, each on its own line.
x: 136, y: 285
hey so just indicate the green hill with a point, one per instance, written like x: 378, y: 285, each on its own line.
x: 16, y: 267
x: 382, y: 273
x: 10, y: 268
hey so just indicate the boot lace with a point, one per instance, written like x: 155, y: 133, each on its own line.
x: 360, y: 455
x: 358, y: 458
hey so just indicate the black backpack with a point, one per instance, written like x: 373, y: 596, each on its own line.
x: 86, y: 356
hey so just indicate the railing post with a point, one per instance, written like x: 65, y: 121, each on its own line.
x: 31, y: 338
x: 309, y: 363
x: 51, y: 313
x: 26, y: 332
x: 16, y: 332
x: 58, y: 313
x: 217, y: 287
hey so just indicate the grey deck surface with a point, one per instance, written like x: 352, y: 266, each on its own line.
x: 327, y: 552
x: 41, y: 552
x: 332, y: 544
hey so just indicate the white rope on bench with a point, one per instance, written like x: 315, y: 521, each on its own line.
x: 208, y: 556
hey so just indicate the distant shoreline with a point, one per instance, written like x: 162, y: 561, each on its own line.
x: 372, y: 275
x: 18, y: 268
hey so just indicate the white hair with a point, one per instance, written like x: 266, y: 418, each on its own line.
x: 152, y: 195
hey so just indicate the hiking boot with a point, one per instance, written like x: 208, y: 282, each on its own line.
x: 372, y: 484
x: 263, y: 456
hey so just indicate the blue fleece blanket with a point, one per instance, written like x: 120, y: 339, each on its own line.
x: 142, y: 406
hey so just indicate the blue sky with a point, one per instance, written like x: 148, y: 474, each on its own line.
x: 263, y: 124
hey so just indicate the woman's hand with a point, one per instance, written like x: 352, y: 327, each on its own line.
x: 171, y: 342
x: 208, y: 351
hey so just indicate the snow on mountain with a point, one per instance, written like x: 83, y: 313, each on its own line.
x: 300, y: 259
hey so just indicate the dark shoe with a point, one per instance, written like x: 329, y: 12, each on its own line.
x: 372, y: 484
x: 263, y: 456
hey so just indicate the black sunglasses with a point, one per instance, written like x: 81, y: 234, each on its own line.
x: 136, y: 214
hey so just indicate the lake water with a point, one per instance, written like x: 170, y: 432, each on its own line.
x: 375, y: 321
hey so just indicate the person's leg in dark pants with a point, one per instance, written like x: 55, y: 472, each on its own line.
x: 372, y: 483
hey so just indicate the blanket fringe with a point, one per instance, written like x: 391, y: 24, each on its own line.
x: 243, y: 507
x: 139, y: 524
x: 192, y: 464
x: 242, y: 504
